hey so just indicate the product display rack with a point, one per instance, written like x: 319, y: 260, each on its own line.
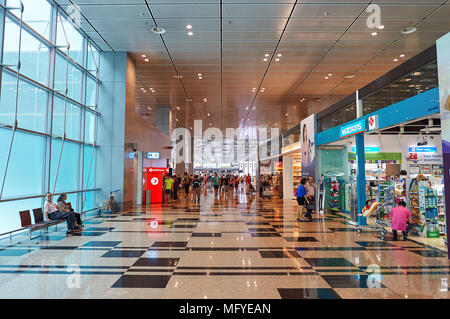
x: 386, y: 198
x: 296, y: 171
x: 414, y: 208
x: 429, y: 210
x: 334, y: 194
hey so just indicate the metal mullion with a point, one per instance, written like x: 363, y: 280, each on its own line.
x: 83, y: 126
x: 17, y: 102
x: 2, y: 38
x: 27, y: 79
x: 60, y: 52
x: 29, y: 29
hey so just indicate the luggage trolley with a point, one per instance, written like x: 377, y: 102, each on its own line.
x: 375, y: 218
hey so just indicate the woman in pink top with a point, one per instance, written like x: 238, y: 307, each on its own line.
x: 400, y: 217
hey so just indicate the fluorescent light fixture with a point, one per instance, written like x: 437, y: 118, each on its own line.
x: 381, y: 27
x: 395, y: 60
x: 146, y: 60
x: 374, y: 33
x: 188, y: 26
x: 190, y: 33
x: 402, y: 55
x: 205, y: 99
x: 266, y: 55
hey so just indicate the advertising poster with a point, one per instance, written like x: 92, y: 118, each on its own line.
x: 307, y: 133
x: 443, y: 59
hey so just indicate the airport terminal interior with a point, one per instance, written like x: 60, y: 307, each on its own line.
x: 221, y: 149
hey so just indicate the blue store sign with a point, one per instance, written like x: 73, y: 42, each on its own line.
x: 353, y: 128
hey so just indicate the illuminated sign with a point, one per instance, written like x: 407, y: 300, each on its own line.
x: 422, y: 150
x: 368, y: 149
x: 353, y: 128
x: 373, y: 122
x: 152, y: 155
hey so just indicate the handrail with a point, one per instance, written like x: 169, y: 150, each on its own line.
x: 43, y: 195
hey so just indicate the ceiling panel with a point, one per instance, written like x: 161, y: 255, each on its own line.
x: 321, y: 37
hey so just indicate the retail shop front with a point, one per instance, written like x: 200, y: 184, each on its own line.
x: 392, y: 154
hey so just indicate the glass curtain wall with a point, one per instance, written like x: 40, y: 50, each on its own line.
x: 48, y: 109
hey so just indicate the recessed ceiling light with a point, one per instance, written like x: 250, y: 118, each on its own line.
x: 191, y: 127
x: 210, y: 124
x: 265, y: 59
x: 176, y: 120
x: 408, y: 30
x: 248, y: 120
x: 350, y: 76
x: 200, y: 78
x: 208, y: 114
x: 286, y: 114
x: 144, y: 91
x: 277, y: 59
x: 402, y: 55
x: 199, y: 74
x: 330, y: 74
x: 149, y: 107
x: 246, y: 108
x: 143, y: 55
x: 326, y: 78
x: 374, y: 33
x: 190, y: 33
x: 188, y: 100
x: 279, y: 55
x: 178, y: 108
x: 242, y: 120
x: 146, y: 60
x: 188, y: 26
x: 381, y: 27
x: 395, y: 60
x: 303, y: 99
x: 276, y: 124
x: 266, y: 55
x: 178, y: 76
x: 158, y: 30
x: 205, y: 99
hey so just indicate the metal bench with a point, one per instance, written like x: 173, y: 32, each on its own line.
x: 39, y: 223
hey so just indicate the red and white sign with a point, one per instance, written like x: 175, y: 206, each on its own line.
x: 373, y: 122
x: 153, y: 180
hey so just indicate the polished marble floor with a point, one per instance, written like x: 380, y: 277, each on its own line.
x: 234, y: 247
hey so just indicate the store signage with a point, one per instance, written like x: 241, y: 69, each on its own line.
x: 422, y: 149
x: 368, y: 149
x: 352, y: 129
x: 152, y: 155
x: 373, y: 122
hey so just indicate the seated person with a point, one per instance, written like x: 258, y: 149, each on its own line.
x: 62, y: 206
x: 52, y: 212
x: 368, y: 205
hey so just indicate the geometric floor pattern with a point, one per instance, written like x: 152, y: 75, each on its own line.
x: 228, y: 247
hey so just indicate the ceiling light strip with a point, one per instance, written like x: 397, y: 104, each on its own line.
x: 271, y: 58
x: 170, y: 57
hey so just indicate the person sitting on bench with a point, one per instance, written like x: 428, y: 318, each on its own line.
x: 62, y: 206
x: 52, y: 212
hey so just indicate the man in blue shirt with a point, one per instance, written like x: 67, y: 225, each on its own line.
x: 301, y: 193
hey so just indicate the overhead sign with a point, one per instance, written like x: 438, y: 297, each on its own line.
x: 152, y: 155
x: 373, y: 122
x: 368, y: 149
x: 422, y: 149
x: 353, y: 128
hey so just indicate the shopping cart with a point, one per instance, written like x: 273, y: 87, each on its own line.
x: 375, y: 218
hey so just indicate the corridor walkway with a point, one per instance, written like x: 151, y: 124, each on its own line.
x: 234, y: 248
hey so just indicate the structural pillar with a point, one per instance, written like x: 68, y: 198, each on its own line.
x: 360, y: 176
x: 164, y: 119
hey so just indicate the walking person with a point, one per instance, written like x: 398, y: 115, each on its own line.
x: 401, y: 220
x: 176, y: 185
x: 301, y: 193
x: 186, y: 184
x: 247, y: 183
x: 168, y: 186
x: 216, y: 183
x: 196, y: 189
x: 52, y: 212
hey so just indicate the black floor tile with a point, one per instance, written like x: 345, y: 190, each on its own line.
x: 124, y: 253
x: 102, y: 243
x: 429, y: 252
x: 99, y: 229
x: 206, y: 234
x: 329, y: 262
x: 169, y: 262
x: 374, y: 244
x: 279, y: 254
x: 308, y: 293
x: 169, y: 244
x: 131, y: 214
x: 183, y: 226
x: 352, y: 281
x: 88, y: 233
x: 257, y: 224
x: 301, y: 239
x: 187, y: 219
x: 142, y: 281
x: 254, y: 230
x: 265, y: 235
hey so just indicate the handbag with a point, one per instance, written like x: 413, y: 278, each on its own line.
x: 311, y: 204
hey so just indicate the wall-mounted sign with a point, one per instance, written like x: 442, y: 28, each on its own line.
x: 368, y: 149
x: 373, y: 122
x: 422, y: 149
x: 152, y: 155
x: 352, y: 129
